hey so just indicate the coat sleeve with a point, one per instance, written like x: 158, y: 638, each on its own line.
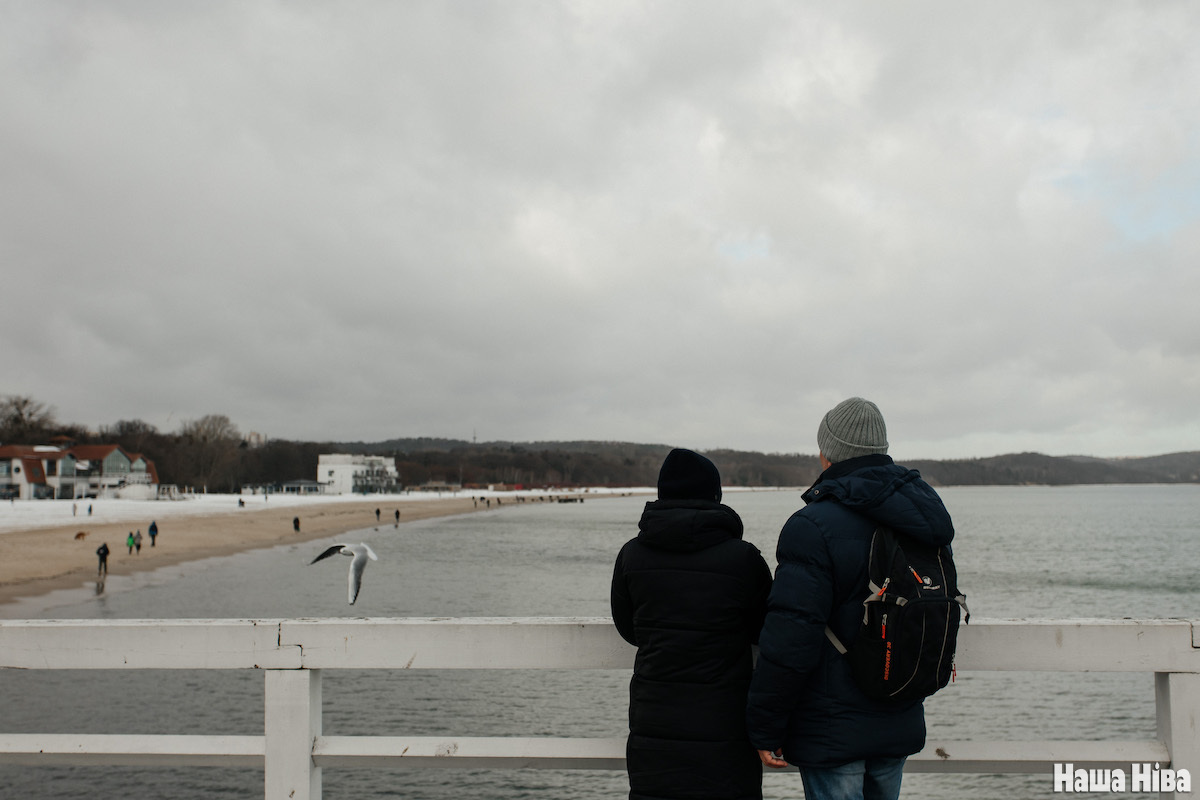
x: 798, y: 609
x: 621, y: 602
x: 760, y: 577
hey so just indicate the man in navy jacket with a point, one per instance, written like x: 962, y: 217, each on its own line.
x: 804, y: 708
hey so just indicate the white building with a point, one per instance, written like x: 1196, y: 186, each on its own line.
x: 357, y: 474
x: 93, y: 470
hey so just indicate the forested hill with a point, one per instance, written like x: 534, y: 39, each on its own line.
x: 1038, y: 469
x: 626, y: 464
x: 211, y: 452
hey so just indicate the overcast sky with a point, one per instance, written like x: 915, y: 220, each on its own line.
x: 690, y: 223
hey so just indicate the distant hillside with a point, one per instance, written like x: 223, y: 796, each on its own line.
x: 1038, y: 469
x: 1173, y: 467
x: 579, y: 463
x: 628, y: 464
x: 210, y: 453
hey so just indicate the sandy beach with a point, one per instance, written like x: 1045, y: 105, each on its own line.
x: 41, y: 549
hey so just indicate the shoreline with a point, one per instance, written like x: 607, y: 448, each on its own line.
x: 41, y: 559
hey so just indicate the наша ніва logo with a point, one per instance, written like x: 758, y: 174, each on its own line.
x: 1142, y: 778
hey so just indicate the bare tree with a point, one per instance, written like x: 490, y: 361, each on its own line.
x: 210, y: 446
x: 22, y: 418
x: 132, y: 434
x: 211, y: 428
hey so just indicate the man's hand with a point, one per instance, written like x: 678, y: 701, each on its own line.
x: 773, y: 760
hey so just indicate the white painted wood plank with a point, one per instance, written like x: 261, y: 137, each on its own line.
x: 1033, y: 757
x: 465, y: 752
x: 292, y: 724
x: 144, y: 644
x: 1177, y: 707
x: 478, y: 643
x: 1078, y: 646
x: 131, y: 750
x: 519, y: 753
x: 545, y: 753
x: 522, y: 643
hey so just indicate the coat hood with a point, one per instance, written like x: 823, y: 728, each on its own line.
x: 687, y: 525
x: 888, y: 494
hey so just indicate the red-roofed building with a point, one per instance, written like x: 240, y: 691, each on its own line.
x: 104, y: 470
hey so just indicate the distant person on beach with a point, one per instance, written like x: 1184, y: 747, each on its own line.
x: 805, y: 708
x: 296, y: 524
x: 691, y: 595
x: 377, y: 515
x: 89, y: 509
x: 102, y: 552
x: 397, y: 516
x: 137, y: 541
x: 153, y: 531
x: 129, y: 542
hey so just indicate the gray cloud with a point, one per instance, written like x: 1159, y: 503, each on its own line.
x: 698, y: 224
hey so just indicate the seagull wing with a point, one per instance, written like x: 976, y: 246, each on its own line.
x: 356, y: 569
x: 334, y: 550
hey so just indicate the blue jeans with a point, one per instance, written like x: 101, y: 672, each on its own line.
x: 873, y: 779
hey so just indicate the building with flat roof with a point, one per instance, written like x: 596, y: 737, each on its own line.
x: 345, y: 473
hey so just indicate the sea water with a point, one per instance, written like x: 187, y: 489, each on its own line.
x: 1108, y: 552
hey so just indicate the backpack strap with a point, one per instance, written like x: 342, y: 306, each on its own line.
x: 876, y: 596
x: 833, y: 639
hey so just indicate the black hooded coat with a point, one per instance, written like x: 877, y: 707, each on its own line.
x: 691, y: 595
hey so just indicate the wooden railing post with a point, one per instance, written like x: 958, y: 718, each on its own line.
x: 1177, y: 707
x: 292, y: 724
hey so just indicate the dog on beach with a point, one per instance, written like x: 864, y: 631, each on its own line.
x: 81, y: 535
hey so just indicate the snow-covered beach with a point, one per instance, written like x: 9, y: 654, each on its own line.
x: 27, y: 515
x: 51, y: 544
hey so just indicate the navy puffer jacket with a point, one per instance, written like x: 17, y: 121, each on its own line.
x: 803, y: 697
x: 691, y: 595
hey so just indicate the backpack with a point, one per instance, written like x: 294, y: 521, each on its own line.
x: 904, y: 650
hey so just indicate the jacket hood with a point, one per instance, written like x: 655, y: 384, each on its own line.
x: 888, y: 494
x: 687, y: 526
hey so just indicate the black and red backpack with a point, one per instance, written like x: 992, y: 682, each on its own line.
x: 904, y: 650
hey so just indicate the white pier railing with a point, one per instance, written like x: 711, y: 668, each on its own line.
x: 293, y: 653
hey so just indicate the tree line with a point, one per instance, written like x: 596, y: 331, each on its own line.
x: 210, y: 452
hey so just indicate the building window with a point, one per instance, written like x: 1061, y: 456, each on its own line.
x: 51, y: 468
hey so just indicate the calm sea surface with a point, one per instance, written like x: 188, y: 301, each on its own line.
x: 1118, y: 551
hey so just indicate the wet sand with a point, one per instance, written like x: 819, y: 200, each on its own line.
x: 35, y: 562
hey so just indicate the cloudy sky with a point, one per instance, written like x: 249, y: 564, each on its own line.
x: 691, y: 223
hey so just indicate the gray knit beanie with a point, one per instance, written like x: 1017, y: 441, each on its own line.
x: 852, y: 428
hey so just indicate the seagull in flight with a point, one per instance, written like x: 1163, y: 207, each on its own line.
x: 360, y: 553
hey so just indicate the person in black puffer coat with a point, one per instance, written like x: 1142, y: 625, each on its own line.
x: 805, y: 708
x: 691, y: 595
